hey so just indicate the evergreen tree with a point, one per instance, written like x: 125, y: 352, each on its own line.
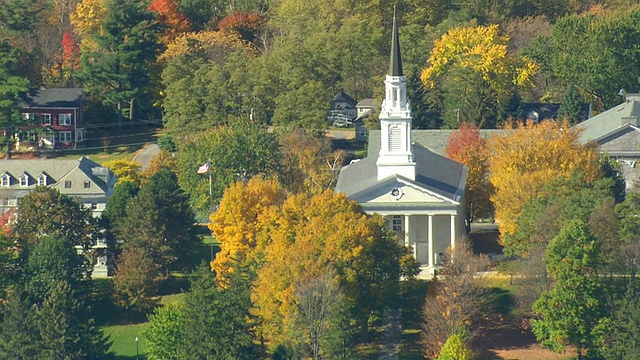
x: 216, y: 317
x: 571, y: 107
x: 66, y: 329
x: 19, y: 338
x: 160, y: 221
x: 11, y: 84
x: 121, y: 69
x: 115, y: 210
x: 626, y: 343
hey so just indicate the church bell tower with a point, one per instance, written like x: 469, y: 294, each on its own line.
x: 395, y: 157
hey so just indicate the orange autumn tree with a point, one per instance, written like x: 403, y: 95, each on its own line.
x: 174, y: 21
x: 466, y: 146
x: 245, y: 23
x: 528, y: 156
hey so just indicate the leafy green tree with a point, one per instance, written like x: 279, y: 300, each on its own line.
x: 571, y: 107
x: 19, y: 338
x: 164, y: 333
x: 596, y: 53
x: 207, y: 88
x: 563, y: 200
x: 45, y: 211
x: 121, y: 69
x: 574, y: 312
x: 217, y: 319
x: 52, y: 260
x: 236, y: 152
x: 115, y: 210
x: 455, y: 349
x: 66, y: 328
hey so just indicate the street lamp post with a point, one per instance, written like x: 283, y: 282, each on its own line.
x: 137, y: 349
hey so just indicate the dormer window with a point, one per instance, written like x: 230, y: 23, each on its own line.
x: 5, y: 180
x: 42, y: 179
x: 24, y: 179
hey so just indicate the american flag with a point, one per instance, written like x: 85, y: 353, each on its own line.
x: 204, y: 168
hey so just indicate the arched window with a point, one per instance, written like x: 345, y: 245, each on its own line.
x: 396, y: 223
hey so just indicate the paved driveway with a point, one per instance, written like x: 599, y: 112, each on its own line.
x: 144, y: 155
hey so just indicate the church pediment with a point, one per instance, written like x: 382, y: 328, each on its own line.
x: 398, y: 191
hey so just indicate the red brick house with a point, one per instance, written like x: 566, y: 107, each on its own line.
x: 52, y: 118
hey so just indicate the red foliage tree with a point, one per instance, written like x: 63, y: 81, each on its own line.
x: 169, y: 15
x: 245, y: 23
x: 6, y: 219
x: 467, y: 146
x: 70, y: 51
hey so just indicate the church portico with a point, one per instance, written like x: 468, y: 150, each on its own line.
x: 420, y: 193
x: 427, y: 234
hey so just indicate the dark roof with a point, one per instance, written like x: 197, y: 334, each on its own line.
x: 54, y: 97
x: 433, y: 172
x: 395, y: 61
x: 548, y: 111
x: 343, y: 97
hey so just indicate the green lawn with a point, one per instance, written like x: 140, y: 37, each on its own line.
x: 123, y: 338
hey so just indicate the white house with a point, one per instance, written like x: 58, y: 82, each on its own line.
x: 84, y: 180
x: 420, y: 192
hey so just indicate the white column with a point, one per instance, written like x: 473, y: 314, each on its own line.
x: 453, y: 232
x: 407, y: 231
x: 430, y: 244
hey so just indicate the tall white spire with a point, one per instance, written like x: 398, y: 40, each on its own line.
x: 395, y: 157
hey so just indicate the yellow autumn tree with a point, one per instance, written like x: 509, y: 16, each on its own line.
x: 482, y: 50
x: 311, y: 235
x: 526, y: 157
x: 125, y: 170
x: 87, y: 19
x: 237, y: 222
x: 217, y: 45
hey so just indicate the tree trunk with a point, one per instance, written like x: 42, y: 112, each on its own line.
x: 131, y: 109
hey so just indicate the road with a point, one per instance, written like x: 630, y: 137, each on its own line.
x: 144, y: 155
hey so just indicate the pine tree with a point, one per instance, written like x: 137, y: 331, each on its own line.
x: 19, y: 338
x: 66, y: 329
x: 571, y: 107
x: 122, y: 69
x: 216, y: 325
x: 160, y: 221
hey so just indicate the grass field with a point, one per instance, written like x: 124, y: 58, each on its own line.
x: 123, y: 339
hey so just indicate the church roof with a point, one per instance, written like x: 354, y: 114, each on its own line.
x: 395, y: 61
x: 433, y: 172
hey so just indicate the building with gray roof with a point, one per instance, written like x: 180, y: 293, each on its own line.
x: 419, y: 192
x: 83, y: 180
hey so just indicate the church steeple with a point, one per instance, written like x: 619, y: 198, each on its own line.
x: 396, y: 156
x: 395, y: 60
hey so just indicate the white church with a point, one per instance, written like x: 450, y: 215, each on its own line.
x: 420, y: 193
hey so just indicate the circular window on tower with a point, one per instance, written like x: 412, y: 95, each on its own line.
x: 396, y: 193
